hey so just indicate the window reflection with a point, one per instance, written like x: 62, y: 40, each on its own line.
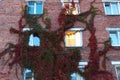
x: 114, y: 37
x: 112, y: 8
x: 35, y: 7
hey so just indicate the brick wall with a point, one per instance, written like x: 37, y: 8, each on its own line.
x: 10, y: 14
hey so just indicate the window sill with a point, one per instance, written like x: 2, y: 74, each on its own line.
x: 112, y: 14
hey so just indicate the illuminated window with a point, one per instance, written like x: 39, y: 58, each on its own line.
x: 114, y: 36
x: 73, y: 37
x: 70, y: 9
x: 28, y: 75
x: 112, y: 7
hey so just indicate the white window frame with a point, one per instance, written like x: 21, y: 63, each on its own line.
x: 116, y: 64
x: 112, y: 1
x: 69, y: 0
x: 117, y: 30
x: 81, y: 36
x: 25, y: 71
x: 35, y: 2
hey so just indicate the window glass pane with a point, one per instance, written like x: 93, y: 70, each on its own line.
x: 31, y: 7
x: 36, y: 41
x: 114, y: 7
x: 70, y: 39
x: 76, y: 10
x: 31, y: 3
x: 30, y: 40
x: 114, y: 38
x: 76, y: 76
x: 28, y: 75
x: 39, y: 8
x: 31, y: 10
x: 118, y: 72
x: 78, y: 39
x: 70, y: 9
x: 119, y: 38
x: 107, y: 8
x: 73, y: 76
x: 73, y: 39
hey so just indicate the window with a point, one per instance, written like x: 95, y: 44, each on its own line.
x: 70, y: 9
x: 34, y: 39
x: 35, y: 7
x: 118, y: 71
x: 117, y: 68
x: 112, y: 7
x: 28, y: 75
x: 73, y: 37
x: 114, y: 34
x: 76, y: 76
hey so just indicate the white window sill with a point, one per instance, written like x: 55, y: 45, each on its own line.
x: 113, y: 29
x: 116, y: 45
x: 112, y: 14
x: 115, y: 62
x: 69, y: 0
x: 110, y: 0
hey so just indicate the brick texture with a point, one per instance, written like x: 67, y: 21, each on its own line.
x: 10, y: 12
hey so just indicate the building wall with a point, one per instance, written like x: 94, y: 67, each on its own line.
x: 9, y: 16
x: 10, y: 13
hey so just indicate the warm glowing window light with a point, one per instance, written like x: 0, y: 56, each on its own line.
x: 73, y: 38
x: 70, y: 9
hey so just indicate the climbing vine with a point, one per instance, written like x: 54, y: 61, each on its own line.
x: 50, y: 60
x: 92, y: 70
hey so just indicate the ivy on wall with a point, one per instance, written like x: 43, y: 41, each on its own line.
x: 50, y: 60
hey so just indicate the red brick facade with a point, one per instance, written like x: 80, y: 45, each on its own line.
x: 10, y: 12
